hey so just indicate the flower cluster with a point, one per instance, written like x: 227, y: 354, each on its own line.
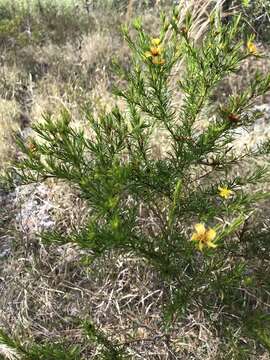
x: 205, y: 237
x: 155, y: 52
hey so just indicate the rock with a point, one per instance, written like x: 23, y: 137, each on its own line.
x: 251, y: 137
x: 34, y: 209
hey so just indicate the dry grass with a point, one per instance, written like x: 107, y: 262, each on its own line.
x: 9, y: 123
x: 49, y: 287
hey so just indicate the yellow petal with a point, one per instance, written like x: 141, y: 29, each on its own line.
x: 158, y: 61
x: 252, y: 48
x: 154, y: 51
x: 160, y: 49
x: 194, y: 237
x: 155, y: 41
x: 220, y: 188
x: 210, y: 235
x: 148, y: 54
x: 225, y: 192
x: 200, y: 245
x: 211, y: 245
x: 200, y: 228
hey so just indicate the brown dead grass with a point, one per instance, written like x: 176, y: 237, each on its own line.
x: 119, y: 293
x: 9, y: 124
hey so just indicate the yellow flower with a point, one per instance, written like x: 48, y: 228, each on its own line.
x: 32, y: 147
x: 252, y: 49
x: 158, y: 61
x: 225, y: 192
x: 155, y: 41
x: 204, y: 237
x: 155, y: 52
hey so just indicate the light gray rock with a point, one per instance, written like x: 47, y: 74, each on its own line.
x: 34, y: 209
x: 253, y: 136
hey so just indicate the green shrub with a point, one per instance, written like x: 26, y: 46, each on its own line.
x: 105, y: 350
x: 187, y: 211
x: 256, y: 17
x: 24, y: 23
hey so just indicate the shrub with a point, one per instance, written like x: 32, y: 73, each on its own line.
x: 14, y: 349
x: 256, y: 15
x: 31, y: 23
x: 186, y: 210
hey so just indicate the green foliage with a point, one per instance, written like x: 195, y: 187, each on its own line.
x: 109, y: 350
x: 36, y: 351
x: 148, y: 203
x: 23, y: 22
x: 256, y: 15
x: 12, y: 348
x: 257, y: 325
